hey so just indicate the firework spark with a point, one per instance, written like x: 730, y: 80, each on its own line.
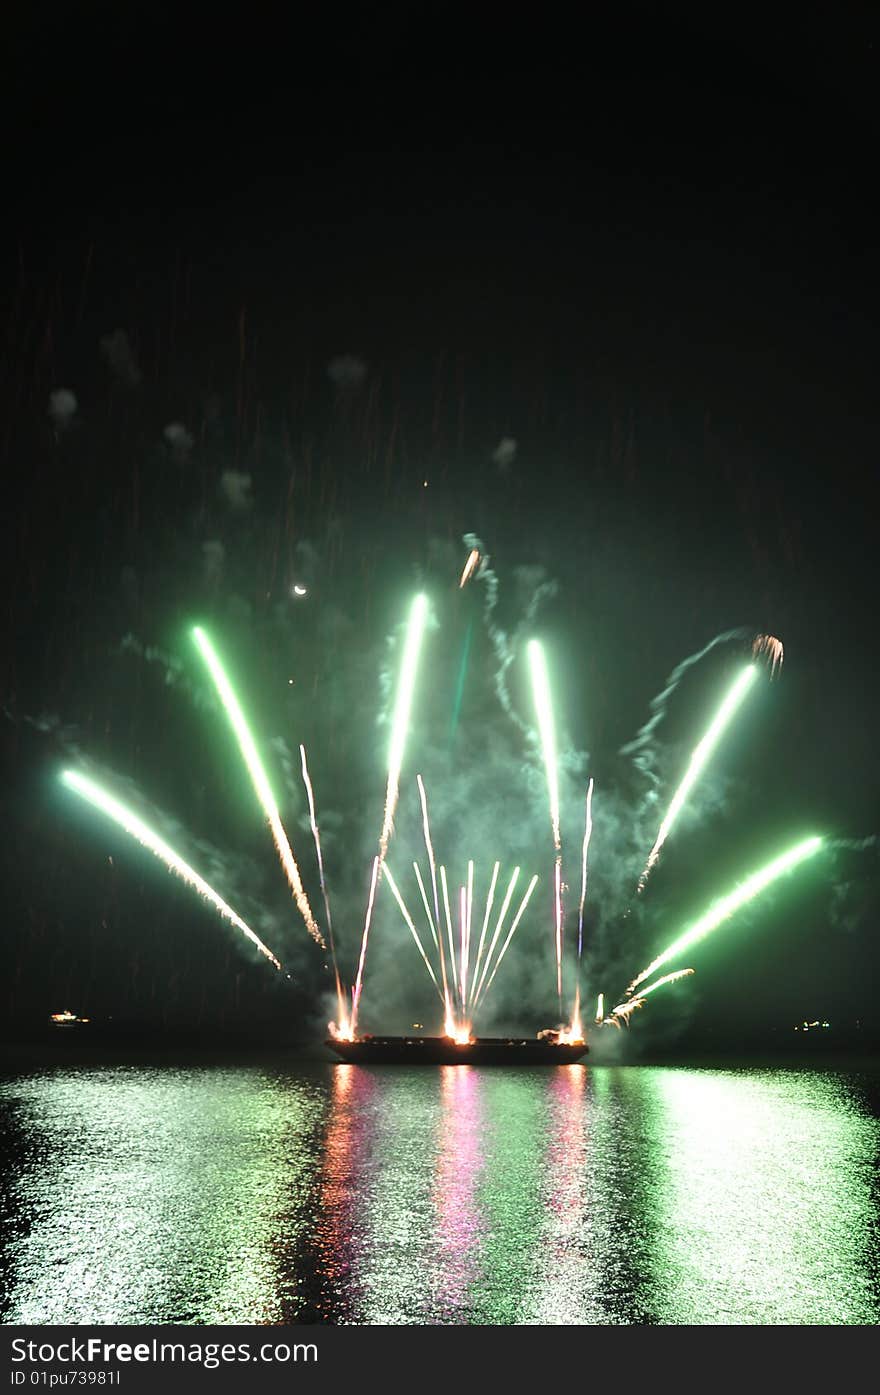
x: 510, y: 934
x: 100, y: 799
x: 359, y: 981
x: 489, y: 899
x: 600, y: 1008
x: 403, y: 707
x: 259, y: 779
x: 769, y: 648
x: 730, y: 903
x: 501, y: 914
x: 470, y: 567
x: 445, y: 888
x: 317, y: 837
x: 701, y: 754
x: 410, y: 926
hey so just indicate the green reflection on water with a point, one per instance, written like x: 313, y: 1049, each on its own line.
x: 156, y: 1195
x: 350, y: 1195
x: 758, y: 1191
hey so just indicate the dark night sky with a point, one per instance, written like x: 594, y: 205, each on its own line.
x: 647, y: 251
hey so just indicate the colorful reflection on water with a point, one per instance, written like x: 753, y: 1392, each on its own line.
x: 349, y: 1194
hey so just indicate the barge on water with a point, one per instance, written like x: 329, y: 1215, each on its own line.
x: 546, y: 1050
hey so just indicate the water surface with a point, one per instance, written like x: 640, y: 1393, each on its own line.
x: 350, y: 1194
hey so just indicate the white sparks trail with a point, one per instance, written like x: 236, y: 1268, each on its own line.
x: 359, y: 981
x: 449, y: 927
x: 600, y: 1008
x: 317, y: 837
x: 489, y: 901
x: 462, y: 911
x: 502, y: 913
x: 259, y: 780
x: 386, y: 871
x: 700, y: 756
x: 469, y: 567
x: 588, y: 830
x: 402, y: 710
x: 136, y: 827
x: 770, y: 648
x: 470, y: 908
x: 510, y: 934
x: 428, y: 915
x: 430, y: 850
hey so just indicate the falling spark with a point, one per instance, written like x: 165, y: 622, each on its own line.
x: 588, y: 830
x: 317, y: 837
x: 600, y: 1008
x: 511, y: 932
x: 767, y: 647
x: 470, y: 567
x: 359, y: 981
x: 501, y: 914
x: 400, y: 722
x: 701, y: 754
x: 258, y: 777
x: 489, y: 901
x: 726, y: 907
x: 129, y: 821
x: 410, y: 926
x: 624, y: 1011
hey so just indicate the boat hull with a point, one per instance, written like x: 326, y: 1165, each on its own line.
x: 441, y: 1051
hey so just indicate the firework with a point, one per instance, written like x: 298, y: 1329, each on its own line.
x: 482, y: 941
x: 470, y: 567
x: 317, y: 837
x: 510, y: 934
x: 426, y: 828
x: 501, y: 914
x: 124, y: 817
x: 445, y: 888
x: 259, y: 780
x: 403, y: 707
x: 702, y: 752
x: 588, y: 830
x: 575, y: 1031
x: 771, y: 649
x: 410, y: 926
x: 726, y: 907
x: 428, y: 914
x: 600, y: 1008
x: 359, y: 981
x: 667, y: 978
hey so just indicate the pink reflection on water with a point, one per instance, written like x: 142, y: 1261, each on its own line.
x: 459, y: 1166
x: 567, y: 1152
x: 340, y: 1233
